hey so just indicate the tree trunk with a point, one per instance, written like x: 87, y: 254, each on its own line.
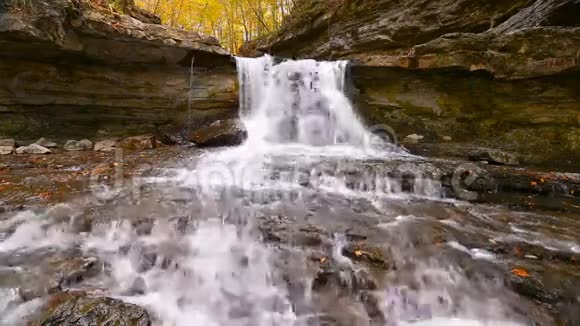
x: 128, y: 7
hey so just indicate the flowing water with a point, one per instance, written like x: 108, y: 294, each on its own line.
x: 262, y: 234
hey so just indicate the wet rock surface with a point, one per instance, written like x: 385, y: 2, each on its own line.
x: 138, y: 143
x: 363, y: 259
x: 493, y: 156
x: 220, y: 133
x: 81, y: 309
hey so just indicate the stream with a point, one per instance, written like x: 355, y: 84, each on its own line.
x: 297, y: 226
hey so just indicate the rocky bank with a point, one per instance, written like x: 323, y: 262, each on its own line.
x: 500, y: 74
x: 70, y: 68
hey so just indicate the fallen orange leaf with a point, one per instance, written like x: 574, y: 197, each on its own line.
x: 45, y: 195
x: 323, y: 260
x: 358, y: 253
x: 520, y: 272
x: 533, y: 183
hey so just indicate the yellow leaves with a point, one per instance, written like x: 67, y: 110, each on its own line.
x: 358, y: 253
x: 323, y: 260
x: 520, y: 272
x: 231, y: 21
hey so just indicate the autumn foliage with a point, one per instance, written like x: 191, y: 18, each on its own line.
x: 231, y: 21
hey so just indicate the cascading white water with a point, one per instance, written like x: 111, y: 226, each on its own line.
x: 218, y: 271
x: 298, y: 102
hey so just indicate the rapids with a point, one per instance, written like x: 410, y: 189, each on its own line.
x: 262, y: 234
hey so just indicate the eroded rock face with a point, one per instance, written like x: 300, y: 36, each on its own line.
x: 537, y: 119
x: 510, y: 39
x: 70, y: 70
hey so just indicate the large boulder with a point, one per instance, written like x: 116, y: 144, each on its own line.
x: 108, y: 145
x: 79, y: 308
x: 32, y: 149
x: 222, y: 133
x: 138, y: 143
x: 78, y: 145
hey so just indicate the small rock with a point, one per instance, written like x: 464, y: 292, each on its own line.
x: 493, y: 156
x: 46, y: 143
x: 8, y: 142
x: 413, y: 139
x: 77, y: 146
x: 226, y: 133
x: 138, y: 143
x: 447, y: 138
x: 106, y: 146
x: 79, y: 308
x: 32, y: 149
x: 5, y: 150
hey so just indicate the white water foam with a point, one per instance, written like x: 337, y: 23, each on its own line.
x: 222, y: 274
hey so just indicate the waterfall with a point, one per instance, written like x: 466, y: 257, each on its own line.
x: 298, y: 101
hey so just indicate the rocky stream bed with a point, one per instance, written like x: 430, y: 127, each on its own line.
x: 78, y: 246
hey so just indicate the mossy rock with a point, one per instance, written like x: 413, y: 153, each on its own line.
x: 80, y: 308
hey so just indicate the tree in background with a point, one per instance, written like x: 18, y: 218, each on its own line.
x: 231, y: 21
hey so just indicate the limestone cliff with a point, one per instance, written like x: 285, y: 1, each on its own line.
x: 486, y: 72
x: 70, y: 68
